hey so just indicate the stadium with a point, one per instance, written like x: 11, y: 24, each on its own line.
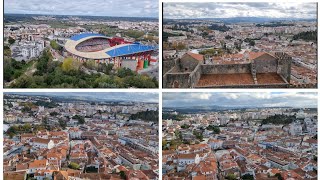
x: 117, y: 51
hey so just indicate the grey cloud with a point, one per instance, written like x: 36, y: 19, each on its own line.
x: 218, y: 10
x: 240, y: 99
x: 128, y: 8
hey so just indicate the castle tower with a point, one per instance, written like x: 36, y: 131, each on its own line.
x: 284, y: 65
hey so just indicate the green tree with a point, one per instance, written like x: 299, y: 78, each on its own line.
x: 70, y: 64
x: 11, y: 40
x: 23, y: 82
x: 231, y: 177
x: 252, y: 43
x: 122, y: 175
x: 55, y: 45
x: 80, y: 119
x: 7, y: 51
x: 214, y: 129
x: 278, y: 175
x: 185, y: 126
x: 62, y: 124
x: 247, y: 177
x: 74, y: 165
x: 134, y: 33
x: 198, y: 135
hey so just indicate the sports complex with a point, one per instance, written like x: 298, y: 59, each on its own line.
x: 115, y: 50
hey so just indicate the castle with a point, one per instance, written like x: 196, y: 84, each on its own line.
x: 258, y: 70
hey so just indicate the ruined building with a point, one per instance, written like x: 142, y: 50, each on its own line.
x: 261, y: 70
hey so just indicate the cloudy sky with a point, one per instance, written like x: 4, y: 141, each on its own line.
x: 121, y: 8
x: 251, y: 99
x: 123, y: 96
x: 228, y: 10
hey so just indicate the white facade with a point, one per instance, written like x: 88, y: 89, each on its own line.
x: 48, y: 145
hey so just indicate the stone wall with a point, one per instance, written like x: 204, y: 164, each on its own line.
x: 266, y: 65
x: 187, y: 63
x: 167, y: 65
x: 176, y: 80
x: 284, y: 65
x: 195, y: 76
x: 225, y: 68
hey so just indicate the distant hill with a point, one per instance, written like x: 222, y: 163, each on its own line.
x: 246, y: 19
x: 203, y: 109
x: 28, y: 17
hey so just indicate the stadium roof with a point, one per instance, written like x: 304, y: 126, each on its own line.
x: 115, y: 51
x: 85, y: 35
x: 129, y: 49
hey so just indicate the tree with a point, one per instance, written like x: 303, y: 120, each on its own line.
x: 7, y: 51
x: 204, y: 34
x: 8, y: 70
x: 252, y: 43
x: 228, y: 37
x: 164, y: 144
x: 70, y: 64
x: 247, y: 177
x: 11, y: 40
x: 231, y: 177
x: 55, y: 45
x: 74, y: 165
x: 62, y: 124
x: 122, y: 175
x: 198, y: 135
x: 23, y: 82
x: 214, y: 129
x: 54, y: 113
x: 278, y: 175
x: 134, y: 33
x: 79, y: 118
x: 185, y: 126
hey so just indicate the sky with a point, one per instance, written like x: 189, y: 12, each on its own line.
x: 229, y: 10
x: 120, y: 8
x: 251, y: 99
x: 123, y: 96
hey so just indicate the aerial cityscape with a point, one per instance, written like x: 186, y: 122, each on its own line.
x: 239, y: 45
x: 86, y: 94
x: 239, y: 136
x: 81, y: 44
x: 60, y: 136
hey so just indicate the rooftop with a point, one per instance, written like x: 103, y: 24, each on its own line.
x: 269, y: 78
x: 225, y: 79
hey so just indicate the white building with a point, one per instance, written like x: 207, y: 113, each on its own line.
x: 295, y: 128
x: 184, y: 159
x: 43, y: 143
x: 75, y: 133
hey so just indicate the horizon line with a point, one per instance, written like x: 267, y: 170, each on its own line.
x: 241, y: 17
x: 151, y: 17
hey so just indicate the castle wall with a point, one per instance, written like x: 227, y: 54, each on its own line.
x: 167, y: 65
x: 176, y: 80
x: 187, y: 63
x: 284, y: 65
x: 195, y: 76
x: 225, y: 68
x: 266, y: 65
